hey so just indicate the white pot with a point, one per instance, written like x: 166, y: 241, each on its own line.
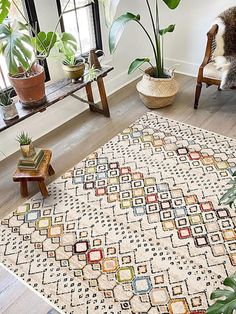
x: 9, y: 112
x: 157, y: 92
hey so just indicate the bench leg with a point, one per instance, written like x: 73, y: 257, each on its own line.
x: 43, y: 188
x: 103, y: 96
x: 51, y: 171
x: 89, y: 93
x: 23, y: 189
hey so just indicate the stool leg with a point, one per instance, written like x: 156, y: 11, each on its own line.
x: 23, y: 189
x: 43, y: 188
x: 51, y: 171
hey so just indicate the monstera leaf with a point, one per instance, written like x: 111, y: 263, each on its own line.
x: 117, y: 29
x: 226, y: 303
x: 67, y: 43
x: 230, y: 196
x: 4, y: 9
x: 16, y: 47
x: 136, y: 64
x: 44, y: 42
x: 172, y: 4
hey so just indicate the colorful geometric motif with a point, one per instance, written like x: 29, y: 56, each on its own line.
x: 136, y: 227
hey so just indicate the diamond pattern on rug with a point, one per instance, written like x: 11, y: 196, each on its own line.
x: 136, y: 227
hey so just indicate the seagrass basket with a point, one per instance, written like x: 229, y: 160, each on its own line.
x: 157, y: 92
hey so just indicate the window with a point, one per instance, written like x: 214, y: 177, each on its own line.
x: 28, y: 8
x: 81, y: 18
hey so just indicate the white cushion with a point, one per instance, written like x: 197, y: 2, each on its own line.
x: 210, y: 71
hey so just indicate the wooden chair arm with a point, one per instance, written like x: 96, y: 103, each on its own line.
x: 208, y: 52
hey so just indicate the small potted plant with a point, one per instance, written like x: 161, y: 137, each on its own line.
x: 72, y: 64
x: 26, y: 145
x: 8, y: 107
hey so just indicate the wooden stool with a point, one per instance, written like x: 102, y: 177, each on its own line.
x: 23, y: 176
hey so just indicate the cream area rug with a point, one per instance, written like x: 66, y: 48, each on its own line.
x: 136, y: 227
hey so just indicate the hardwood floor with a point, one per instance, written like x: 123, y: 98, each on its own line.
x: 75, y: 139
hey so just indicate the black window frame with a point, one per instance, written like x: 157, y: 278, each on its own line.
x: 96, y: 21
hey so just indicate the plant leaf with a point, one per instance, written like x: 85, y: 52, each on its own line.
x: 4, y: 9
x: 137, y: 63
x: 228, y: 304
x: 118, y: 27
x: 16, y: 47
x: 172, y: 4
x: 44, y: 42
x: 110, y: 8
x: 168, y: 29
x: 67, y: 46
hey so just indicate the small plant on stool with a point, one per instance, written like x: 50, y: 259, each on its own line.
x: 26, y: 145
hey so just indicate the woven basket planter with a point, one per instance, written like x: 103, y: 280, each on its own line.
x: 157, y: 92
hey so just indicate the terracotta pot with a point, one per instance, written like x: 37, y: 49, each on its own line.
x: 30, y: 90
x: 9, y: 112
x: 74, y: 72
x: 27, y: 150
x: 157, y: 92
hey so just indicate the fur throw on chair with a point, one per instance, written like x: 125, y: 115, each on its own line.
x: 225, y: 52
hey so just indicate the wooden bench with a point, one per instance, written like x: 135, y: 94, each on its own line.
x: 59, y: 90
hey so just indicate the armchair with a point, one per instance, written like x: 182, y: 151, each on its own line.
x: 208, y: 72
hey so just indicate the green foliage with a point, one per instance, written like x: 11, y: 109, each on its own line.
x: 230, y: 196
x: 172, y: 4
x: 118, y: 26
x: 226, y: 298
x: 67, y: 47
x: 137, y: 63
x: 16, y: 47
x: 117, y: 29
x: 43, y: 43
x: 4, y: 9
x: 168, y: 29
x: 24, y: 138
x: 110, y: 8
x: 91, y: 73
x: 5, y: 98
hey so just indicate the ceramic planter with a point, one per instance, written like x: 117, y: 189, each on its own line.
x: 30, y: 90
x: 157, y: 92
x: 27, y: 150
x: 74, y: 72
x: 9, y: 112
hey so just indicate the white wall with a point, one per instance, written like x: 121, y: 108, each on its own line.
x: 193, y: 19
x: 185, y: 46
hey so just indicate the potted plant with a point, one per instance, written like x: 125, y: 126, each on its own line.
x: 26, y: 145
x: 24, y: 55
x: 72, y: 64
x: 158, y: 87
x: 8, y: 107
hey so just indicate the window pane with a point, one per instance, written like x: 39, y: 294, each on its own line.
x: 86, y: 28
x: 69, y: 6
x: 80, y: 24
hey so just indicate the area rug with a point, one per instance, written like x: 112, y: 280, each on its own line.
x: 136, y: 227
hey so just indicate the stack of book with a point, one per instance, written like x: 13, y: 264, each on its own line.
x: 31, y: 163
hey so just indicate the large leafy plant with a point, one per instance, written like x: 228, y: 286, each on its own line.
x: 155, y: 38
x: 21, y: 50
x: 225, y: 298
